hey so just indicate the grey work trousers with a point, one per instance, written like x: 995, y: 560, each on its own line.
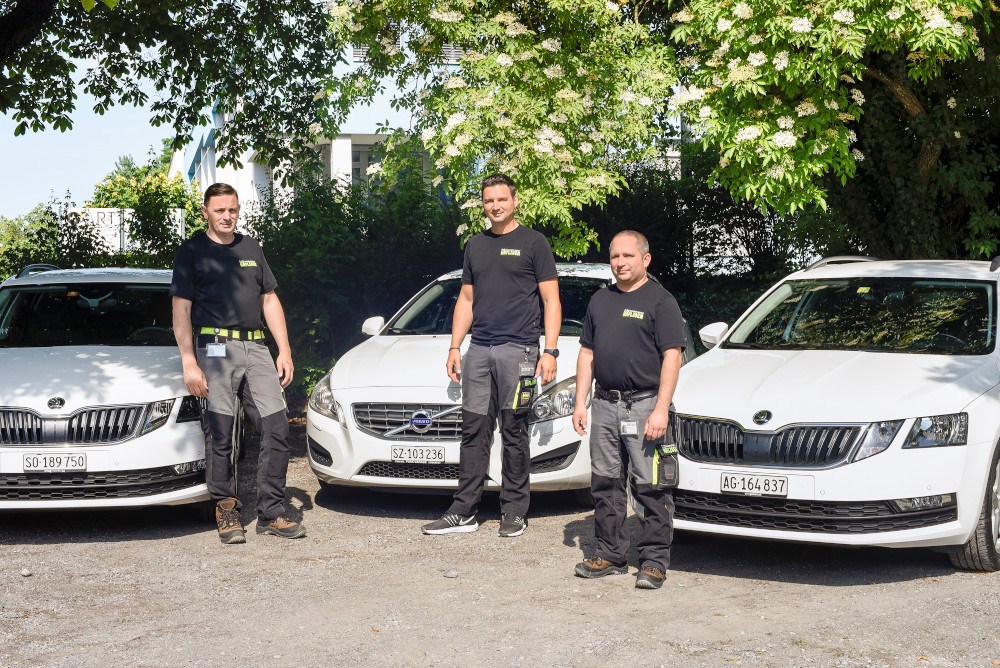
x: 248, y: 372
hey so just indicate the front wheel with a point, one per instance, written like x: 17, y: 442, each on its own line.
x: 982, y: 552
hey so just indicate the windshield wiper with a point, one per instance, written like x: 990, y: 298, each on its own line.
x: 401, y: 330
x: 743, y: 346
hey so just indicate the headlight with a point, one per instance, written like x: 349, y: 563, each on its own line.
x: 321, y: 400
x: 555, y: 402
x: 877, y: 438
x: 190, y: 410
x: 930, y: 432
x: 156, y: 415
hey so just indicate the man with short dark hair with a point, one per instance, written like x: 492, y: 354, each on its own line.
x: 509, y: 287
x: 220, y: 287
x: 633, y: 336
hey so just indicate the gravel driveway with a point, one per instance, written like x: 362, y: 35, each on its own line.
x: 156, y: 588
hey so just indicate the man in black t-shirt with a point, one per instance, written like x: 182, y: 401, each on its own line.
x: 633, y: 336
x: 509, y: 288
x: 220, y: 286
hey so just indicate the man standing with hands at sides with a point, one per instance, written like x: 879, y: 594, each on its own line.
x: 220, y: 287
x: 633, y: 335
x: 509, y: 289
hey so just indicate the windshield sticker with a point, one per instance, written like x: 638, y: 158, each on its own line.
x: 864, y: 290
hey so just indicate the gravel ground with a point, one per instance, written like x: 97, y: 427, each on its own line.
x: 156, y: 588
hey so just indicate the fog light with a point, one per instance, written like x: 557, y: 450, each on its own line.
x: 924, y: 502
x: 189, y: 467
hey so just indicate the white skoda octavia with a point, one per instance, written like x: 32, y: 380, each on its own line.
x: 388, y: 416
x: 93, y: 408
x: 855, y: 403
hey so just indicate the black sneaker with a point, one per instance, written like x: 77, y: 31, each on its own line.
x: 227, y: 517
x: 512, y: 525
x: 650, y: 577
x: 598, y: 567
x: 451, y: 523
x: 282, y: 527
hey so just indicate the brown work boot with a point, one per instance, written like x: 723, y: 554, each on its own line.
x: 650, y: 577
x: 281, y: 527
x: 597, y: 567
x: 228, y: 518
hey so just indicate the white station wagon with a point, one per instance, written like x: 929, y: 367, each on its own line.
x: 855, y: 403
x: 388, y: 416
x: 93, y: 408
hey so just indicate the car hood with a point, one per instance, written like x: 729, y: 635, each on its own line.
x: 830, y: 386
x: 413, y: 361
x: 89, y: 376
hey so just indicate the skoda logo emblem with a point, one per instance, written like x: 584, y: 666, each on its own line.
x: 762, y: 417
x: 56, y: 402
x: 420, y: 421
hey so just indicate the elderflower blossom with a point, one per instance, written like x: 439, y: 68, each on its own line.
x: 806, y: 108
x: 504, y: 60
x: 755, y: 39
x: 552, y: 45
x: 980, y: 54
x: 438, y: 180
x: 801, y: 25
x: 776, y: 171
x: 504, y: 122
x: 781, y: 60
x: 646, y: 101
x: 524, y: 55
x: 611, y: 6
x: 461, y: 229
x: 894, y: 14
x: 847, y: 118
x: 472, y: 203
x: 852, y: 136
x: 628, y: 96
x: 843, y: 16
x: 563, y: 155
x: 831, y: 104
x: 483, y: 102
x: 315, y: 128
x: 452, y: 151
x: 742, y: 73
x: 858, y: 155
x: 504, y: 18
x: 558, y: 118
x: 757, y: 58
x: 553, y: 71
x: 454, y: 120
x: 723, y: 25
x: 463, y: 140
x: 446, y: 17
x: 857, y: 96
x: 559, y: 182
x: 683, y: 16
x: 936, y: 20
x: 958, y: 135
x: 373, y: 169
x: 749, y: 133
x: 952, y: 103
x: 586, y: 147
x: 567, y: 94
x: 454, y: 82
x: 515, y: 29
x: 783, y: 139
x: 742, y: 11
x: 786, y: 122
x: 705, y: 112
x: 427, y: 134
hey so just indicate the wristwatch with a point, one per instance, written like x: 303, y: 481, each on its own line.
x: 552, y: 351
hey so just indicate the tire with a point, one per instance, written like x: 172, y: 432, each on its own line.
x: 204, y: 511
x: 982, y: 552
x: 584, y: 497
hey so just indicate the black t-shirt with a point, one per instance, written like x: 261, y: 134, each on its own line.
x: 628, y: 332
x: 504, y: 272
x: 224, y: 281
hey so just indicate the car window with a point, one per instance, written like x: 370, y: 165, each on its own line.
x: 909, y: 315
x: 85, y: 314
x: 430, y: 312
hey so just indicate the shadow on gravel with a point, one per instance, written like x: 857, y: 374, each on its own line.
x: 100, y: 526
x: 782, y: 562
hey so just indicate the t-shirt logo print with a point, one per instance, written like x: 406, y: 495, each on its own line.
x: 511, y: 251
x: 631, y: 313
x: 248, y: 263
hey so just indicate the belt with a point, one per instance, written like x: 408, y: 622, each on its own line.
x: 238, y: 334
x: 628, y: 396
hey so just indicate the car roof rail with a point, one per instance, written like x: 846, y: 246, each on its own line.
x: 840, y: 259
x: 36, y: 269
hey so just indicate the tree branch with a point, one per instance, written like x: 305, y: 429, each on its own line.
x: 21, y: 25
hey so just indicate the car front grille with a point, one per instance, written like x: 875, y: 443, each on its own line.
x: 98, y: 426
x: 377, y: 419
x: 20, y: 427
x: 410, y: 471
x: 796, y: 446
x: 111, y: 424
x: 94, y: 484
x: 834, y: 517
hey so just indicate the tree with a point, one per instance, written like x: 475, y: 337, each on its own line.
x: 50, y: 234
x: 256, y: 63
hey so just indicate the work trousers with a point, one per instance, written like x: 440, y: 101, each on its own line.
x: 248, y: 372
x: 489, y: 378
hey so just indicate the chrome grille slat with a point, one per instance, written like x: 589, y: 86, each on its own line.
x: 19, y: 427
x: 378, y: 418
x: 109, y: 424
x: 805, y: 446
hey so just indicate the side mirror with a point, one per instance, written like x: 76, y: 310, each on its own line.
x: 712, y: 334
x: 372, y: 325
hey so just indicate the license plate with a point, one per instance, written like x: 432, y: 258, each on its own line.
x: 50, y: 462
x: 754, y: 485
x: 418, y: 454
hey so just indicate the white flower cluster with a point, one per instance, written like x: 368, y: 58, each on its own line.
x: 504, y: 122
x: 505, y: 18
x: 952, y: 103
x: 646, y: 101
x: 558, y: 118
x: 935, y: 20
x: 685, y: 96
x: 748, y: 133
x: 515, y: 29
x: 780, y: 60
x: 472, y: 203
x: 847, y: 78
x: 722, y: 25
x: 484, y: 101
x: 454, y: 120
x: 446, y: 17
x: 742, y: 73
x: 461, y: 229
x: 958, y: 135
x: 755, y: 39
x: 563, y: 155
x: 894, y: 14
x: 463, y: 139
x: 757, y: 58
x: 548, y: 135
x: 454, y: 82
x: 831, y: 104
x: 628, y: 96
x: 981, y: 54
x: 783, y: 139
x: 857, y: 96
x: 567, y: 94
x: 374, y: 168
x: 552, y: 45
x: 338, y: 11
x: 786, y: 122
x: 742, y: 11
x: 438, y: 180
x: 776, y: 171
x: 843, y: 16
x: 586, y: 147
x: 683, y: 16
x: 801, y: 25
x: 452, y: 151
x: 705, y: 112
x: 504, y: 60
x: 611, y: 6
x: 553, y: 71
x: 858, y: 155
x: 524, y: 55
x: 806, y: 108
x: 852, y: 136
x: 315, y: 128
x: 427, y: 134
x: 596, y: 180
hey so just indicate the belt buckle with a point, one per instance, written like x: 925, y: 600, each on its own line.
x: 615, y: 395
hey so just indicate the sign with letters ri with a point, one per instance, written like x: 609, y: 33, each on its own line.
x: 112, y: 224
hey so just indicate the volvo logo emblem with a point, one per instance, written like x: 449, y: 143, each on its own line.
x: 762, y: 417
x: 56, y: 402
x: 420, y: 422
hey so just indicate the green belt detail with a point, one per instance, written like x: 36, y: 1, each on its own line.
x: 249, y: 335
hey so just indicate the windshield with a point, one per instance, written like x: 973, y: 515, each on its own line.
x: 430, y: 312
x: 904, y: 315
x: 108, y: 314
